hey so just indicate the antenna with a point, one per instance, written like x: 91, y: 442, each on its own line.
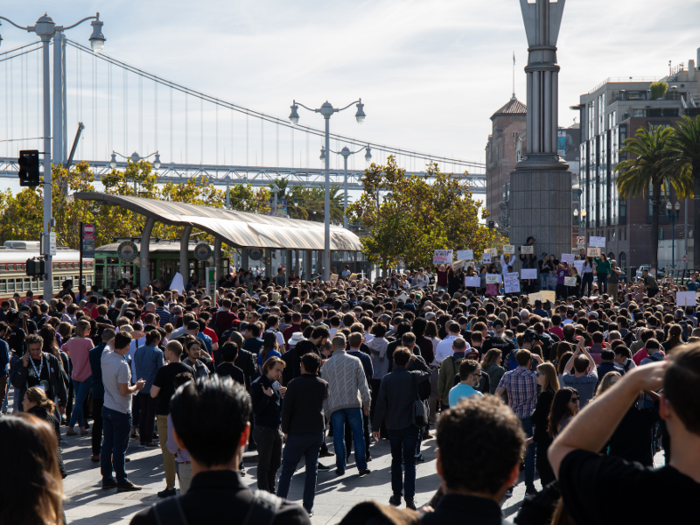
x: 513, y: 74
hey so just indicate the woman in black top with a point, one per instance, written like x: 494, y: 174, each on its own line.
x: 548, y: 381
x: 36, y: 403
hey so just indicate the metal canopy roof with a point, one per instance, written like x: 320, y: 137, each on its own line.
x: 235, y: 228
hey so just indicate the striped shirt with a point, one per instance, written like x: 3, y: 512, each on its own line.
x: 521, y: 385
x: 164, y: 316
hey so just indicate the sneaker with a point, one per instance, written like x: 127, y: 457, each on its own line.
x: 321, y: 466
x: 339, y: 472
x: 395, y: 501
x: 128, y: 487
x: 365, y: 472
x: 167, y: 493
x: 71, y: 432
x: 531, y: 491
x: 109, y: 484
x: 95, y: 459
x: 326, y: 454
x: 509, y: 493
x: 410, y: 504
x: 62, y: 441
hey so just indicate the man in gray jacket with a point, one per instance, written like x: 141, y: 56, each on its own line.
x: 348, y: 397
x: 397, y: 394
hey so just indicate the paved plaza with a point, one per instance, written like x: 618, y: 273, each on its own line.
x: 88, y: 504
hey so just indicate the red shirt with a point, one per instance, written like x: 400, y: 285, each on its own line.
x: 556, y: 330
x: 211, y: 333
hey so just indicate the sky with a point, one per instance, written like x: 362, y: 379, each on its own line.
x: 429, y: 73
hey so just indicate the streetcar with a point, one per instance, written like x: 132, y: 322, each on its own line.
x: 13, y: 269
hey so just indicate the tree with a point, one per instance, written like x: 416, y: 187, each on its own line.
x: 408, y: 217
x: 685, y: 160
x: 649, y: 169
x: 658, y: 89
x: 243, y: 197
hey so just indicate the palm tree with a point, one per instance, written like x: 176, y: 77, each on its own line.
x: 685, y: 146
x: 649, y: 169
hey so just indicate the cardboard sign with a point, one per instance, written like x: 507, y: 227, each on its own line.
x: 494, y: 252
x: 442, y: 257
x: 472, y: 282
x: 567, y: 258
x: 459, y: 264
x: 509, y: 248
x: 465, y: 255
x: 511, y: 282
x: 527, y: 250
x: 597, y: 242
x: 549, y: 295
x: 535, y: 297
x: 493, y: 278
x: 686, y: 298
x: 334, y: 278
x: 569, y: 281
x: 486, y: 258
x: 528, y: 273
x: 593, y: 252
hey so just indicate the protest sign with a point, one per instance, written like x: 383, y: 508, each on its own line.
x: 527, y: 250
x: 493, y: 278
x: 593, y: 252
x: 528, y: 273
x: 535, y: 297
x: 569, y: 281
x: 442, y: 257
x: 511, y: 283
x: 465, y: 255
x: 568, y: 258
x: 597, y: 242
x: 508, y: 248
x: 549, y: 295
x: 459, y: 264
x: 486, y: 258
x: 686, y: 298
x: 494, y: 252
x: 472, y: 282
x: 579, y: 266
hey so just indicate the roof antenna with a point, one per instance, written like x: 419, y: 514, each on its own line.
x: 513, y: 76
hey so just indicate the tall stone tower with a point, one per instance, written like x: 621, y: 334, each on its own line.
x: 540, y: 186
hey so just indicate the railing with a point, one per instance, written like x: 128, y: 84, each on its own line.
x: 611, y: 80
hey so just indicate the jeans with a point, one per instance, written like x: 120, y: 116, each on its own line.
x: 587, y: 282
x: 544, y: 277
x: 374, y: 390
x: 97, y: 426
x: 602, y: 283
x: 403, y: 447
x: 168, y: 457
x: 147, y: 417
x: 354, y: 416
x: 298, y: 445
x: 348, y: 437
x: 3, y: 392
x: 269, y: 441
x: 81, y: 389
x: 529, y: 454
x: 116, y: 429
x: 543, y: 465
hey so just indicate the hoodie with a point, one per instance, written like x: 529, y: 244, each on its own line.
x: 380, y: 362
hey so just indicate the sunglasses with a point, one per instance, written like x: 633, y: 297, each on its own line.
x: 574, y: 399
x: 540, y: 374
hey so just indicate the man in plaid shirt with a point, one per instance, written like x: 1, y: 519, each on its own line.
x: 521, y: 385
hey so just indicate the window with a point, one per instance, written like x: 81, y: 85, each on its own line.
x: 11, y: 267
x: 623, y: 260
x: 2, y: 267
x: 56, y: 283
x: 3, y: 285
x: 611, y: 256
x: 10, y: 285
x: 18, y: 285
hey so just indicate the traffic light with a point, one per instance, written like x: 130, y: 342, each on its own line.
x: 492, y: 224
x: 28, y: 167
x: 36, y: 267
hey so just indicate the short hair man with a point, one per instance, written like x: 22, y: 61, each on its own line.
x: 469, y: 377
x: 215, y: 446
x: 472, y: 482
x: 592, y: 485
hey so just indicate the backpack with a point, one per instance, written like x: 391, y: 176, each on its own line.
x: 262, y: 511
x: 512, y: 363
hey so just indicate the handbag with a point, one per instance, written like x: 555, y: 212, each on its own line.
x: 419, y: 412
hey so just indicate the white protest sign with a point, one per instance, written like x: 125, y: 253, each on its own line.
x: 493, y: 278
x: 567, y: 258
x: 597, y: 242
x: 472, y: 282
x: 494, y: 252
x: 511, y: 283
x: 579, y: 266
x: 593, y: 252
x: 442, y: 257
x: 686, y: 298
x: 486, y: 258
x: 569, y: 281
x: 465, y: 255
x: 508, y: 248
x: 527, y: 250
x: 528, y: 273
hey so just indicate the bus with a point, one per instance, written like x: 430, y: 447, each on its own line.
x: 13, y: 268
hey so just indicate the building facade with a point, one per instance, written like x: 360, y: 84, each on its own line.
x: 508, y: 123
x: 610, y: 113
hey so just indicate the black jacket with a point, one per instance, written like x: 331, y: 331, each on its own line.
x: 397, y: 393
x: 292, y: 360
x: 540, y: 417
x: 51, y: 420
x: 302, y: 411
x: 57, y: 378
x: 246, y: 362
x: 455, y: 508
x: 266, y: 409
x: 219, y: 497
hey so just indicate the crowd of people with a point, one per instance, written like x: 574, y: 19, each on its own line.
x: 580, y: 393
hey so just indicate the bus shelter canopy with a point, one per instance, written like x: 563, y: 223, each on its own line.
x: 235, y: 228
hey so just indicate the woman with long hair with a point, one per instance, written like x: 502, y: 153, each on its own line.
x: 491, y: 364
x: 549, y: 384
x: 78, y: 349
x: 609, y: 380
x: 674, y: 338
x: 31, y: 489
x: 36, y: 403
x: 564, y: 406
x: 269, y: 349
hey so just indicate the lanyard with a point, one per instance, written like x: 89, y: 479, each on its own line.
x: 41, y: 365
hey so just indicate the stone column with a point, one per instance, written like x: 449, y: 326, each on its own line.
x: 288, y: 263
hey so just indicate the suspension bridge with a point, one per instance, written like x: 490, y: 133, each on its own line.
x: 129, y: 113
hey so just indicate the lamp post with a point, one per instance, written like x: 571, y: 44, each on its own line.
x: 673, y: 212
x: 345, y: 152
x: 327, y: 110
x: 45, y: 28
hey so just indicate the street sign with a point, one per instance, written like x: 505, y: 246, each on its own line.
x: 88, y: 231
x: 685, y: 259
x: 202, y: 251
x: 127, y: 251
x: 52, y: 243
x: 580, y: 240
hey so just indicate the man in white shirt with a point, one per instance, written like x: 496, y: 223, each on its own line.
x: 444, y: 348
x: 116, y: 414
x: 421, y: 279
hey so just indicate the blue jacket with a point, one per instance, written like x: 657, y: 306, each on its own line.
x: 4, y: 358
x: 94, y: 356
x: 147, y: 359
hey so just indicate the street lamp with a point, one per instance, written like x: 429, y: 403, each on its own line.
x: 45, y: 28
x: 327, y: 110
x: 673, y: 212
x: 345, y: 152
